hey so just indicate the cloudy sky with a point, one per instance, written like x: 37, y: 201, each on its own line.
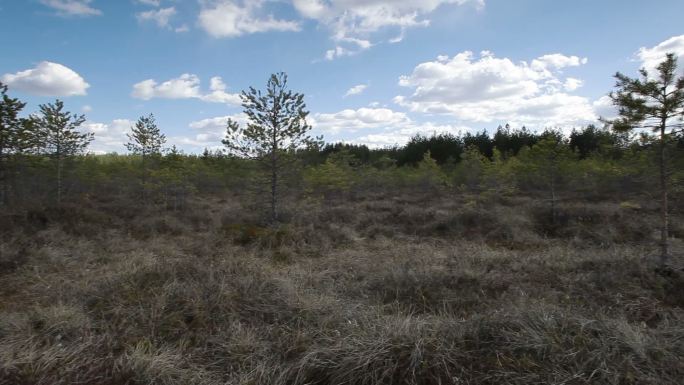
x: 373, y: 71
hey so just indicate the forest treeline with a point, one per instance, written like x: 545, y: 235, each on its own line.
x: 44, y: 158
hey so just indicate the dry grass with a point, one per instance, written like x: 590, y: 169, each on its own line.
x: 403, y: 290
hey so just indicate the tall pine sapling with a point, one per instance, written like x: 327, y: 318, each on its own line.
x: 10, y: 128
x: 276, y: 124
x: 655, y: 102
x: 145, y: 140
x: 60, y: 138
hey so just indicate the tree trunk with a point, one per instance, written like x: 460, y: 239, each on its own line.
x: 59, y: 179
x: 274, y: 170
x: 3, y: 179
x: 144, y: 172
x: 274, y: 187
x: 664, y: 252
x: 553, y: 200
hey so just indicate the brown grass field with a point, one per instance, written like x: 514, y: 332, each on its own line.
x: 408, y: 289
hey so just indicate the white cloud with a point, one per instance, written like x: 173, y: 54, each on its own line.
x: 47, y: 79
x: 401, y: 136
x: 212, y: 130
x: 489, y: 89
x: 651, y: 57
x: 160, y: 16
x: 557, y: 61
x: 109, y: 137
x: 153, y: 3
x: 230, y: 18
x: 605, y: 108
x: 361, y: 119
x: 353, y: 23
x: 183, y: 28
x: 186, y: 86
x: 338, y: 52
x: 571, y: 84
x: 357, y: 89
x: 218, y: 93
x: 207, y: 133
x: 72, y: 7
x: 377, y: 127
x: 86, y: 108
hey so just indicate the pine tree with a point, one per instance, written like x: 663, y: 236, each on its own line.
x: 145, y: 140
x: 655, y: 103
x: 60, y: 138
x: 277, y: 124
x: 11, y: 128
x: 548, y: 162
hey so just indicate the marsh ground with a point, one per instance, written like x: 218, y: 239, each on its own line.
x: 404, y: 289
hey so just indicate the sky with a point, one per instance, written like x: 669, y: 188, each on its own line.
x: 373, y: 72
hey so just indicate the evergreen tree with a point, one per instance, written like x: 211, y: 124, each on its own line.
x: 592, y: 140
x: 173, y: 178
x: 277, y: 124
x: 60, y: 138
x: 10, y: 128
x: 336, y: 175
x: 656, y: 103
x: 441, y: 147
x: 145, y: 140
x: 509, y: 142
x: 429, y: 174
x: 472, y: 167
x: 482, y: 141
x: 548, y: 162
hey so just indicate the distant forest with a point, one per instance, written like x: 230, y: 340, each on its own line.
x: 44, y: 159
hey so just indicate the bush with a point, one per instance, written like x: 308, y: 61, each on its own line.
x: 599, y: 224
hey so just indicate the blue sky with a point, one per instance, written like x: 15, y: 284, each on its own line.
x: 373, y: 71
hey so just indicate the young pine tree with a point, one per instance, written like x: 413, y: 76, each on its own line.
x: 59, y: 137
x: 655, y: 103
x: 277, y: 124
x: 147, y: 141
x: 10, y: 129
x: 547, y: 163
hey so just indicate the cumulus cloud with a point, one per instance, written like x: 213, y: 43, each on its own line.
x: 218, y: 93
x: 571, y: 84
x: 361, y: 119
x: 605, y: 108
x: 378, y: 127
x: 72, y: 7
x: 557, y: 61
x: 47, y: 79
x: 354, y: 23
x: 160, y: 16
x: 488, y: 88
x: 206, y: 133
x: 210, y: 132
x: 183, y: 28
x: 153, y: 3
x: 109, y: 137
x: 401, y: 136
x: 186, y: 86
x: 357, y: 89
x: 651, y: 57
x: 375, y: 127
x: 230, y: 18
